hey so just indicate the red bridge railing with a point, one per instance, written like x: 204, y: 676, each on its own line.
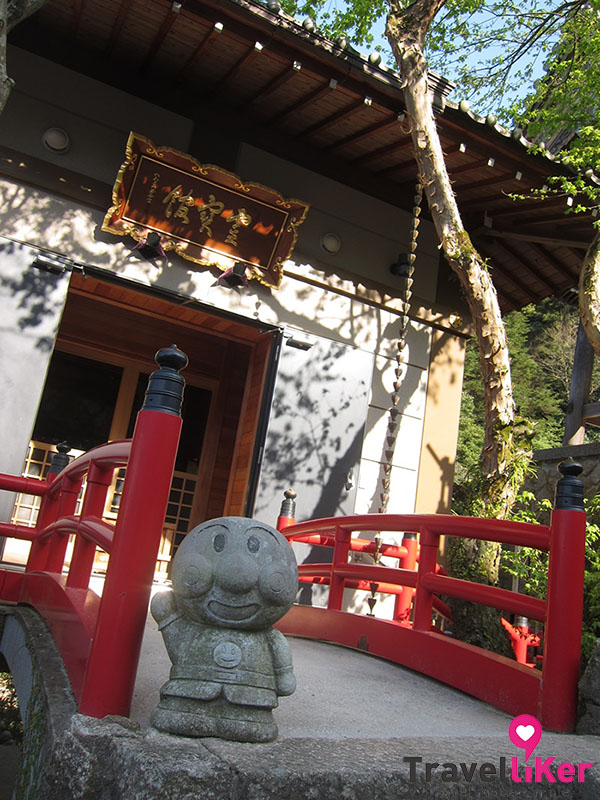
x: 100, y: 638
x: 549, y: 694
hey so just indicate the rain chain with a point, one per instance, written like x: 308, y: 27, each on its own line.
x: 403, y: 269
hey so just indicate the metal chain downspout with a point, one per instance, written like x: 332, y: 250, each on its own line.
x: 406, y: 281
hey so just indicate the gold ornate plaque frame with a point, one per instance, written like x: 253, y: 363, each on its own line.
x: 204, y: 213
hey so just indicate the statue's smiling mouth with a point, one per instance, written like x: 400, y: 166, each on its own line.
x: 236, y: 613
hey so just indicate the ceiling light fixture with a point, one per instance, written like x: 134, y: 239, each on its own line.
x: 56, y: 140
x: 331, y: 243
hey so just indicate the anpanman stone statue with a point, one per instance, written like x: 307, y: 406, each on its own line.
x: 233, y: 578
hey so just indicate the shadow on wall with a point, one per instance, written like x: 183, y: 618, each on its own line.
x: 35, y: 299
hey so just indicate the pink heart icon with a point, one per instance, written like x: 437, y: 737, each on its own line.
x: 525, y: 731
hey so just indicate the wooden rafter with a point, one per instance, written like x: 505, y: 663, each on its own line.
x: 525, y: 236
x: 118, y: 25
x: 558, y: 266
x: 508, y: 276
x: 365, y: 133
x: 161, y: 35
x: 400, y: 144
x: 472, y: 165
x: 202, y: 46
x: 561, y: 219
x: 334, y: 119
x: 242, y: 61
x: 530, y: 268
x: 476, y: 142
x: 543, y: 205
x: 307, y: 100
x: 505, y: 177
x: 275, y: 83
x: 76, y: 18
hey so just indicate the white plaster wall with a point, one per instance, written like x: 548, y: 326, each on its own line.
x: 49, y: 222
x: 372, y: 232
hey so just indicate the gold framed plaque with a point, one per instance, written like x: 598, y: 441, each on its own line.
x: 202, y: 212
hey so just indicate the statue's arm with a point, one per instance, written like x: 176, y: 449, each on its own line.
x: 282, y: 663
x: 164, y: 610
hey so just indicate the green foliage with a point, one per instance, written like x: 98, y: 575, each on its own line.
x: 490, y: 48
x: 10, y: 718
x: 530, y: 566
x: 355, y: 20
x: 541, y: 341
x: 527, y: 564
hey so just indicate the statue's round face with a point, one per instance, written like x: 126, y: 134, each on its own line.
x: 234, y: 572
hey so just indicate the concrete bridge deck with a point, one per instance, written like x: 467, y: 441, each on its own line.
x: 344, y: 694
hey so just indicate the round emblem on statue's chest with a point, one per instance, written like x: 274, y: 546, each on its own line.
x: 227, y: 654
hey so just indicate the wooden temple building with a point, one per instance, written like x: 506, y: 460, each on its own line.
x: 110, y: 250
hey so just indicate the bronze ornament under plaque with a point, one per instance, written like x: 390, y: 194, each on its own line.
x: 204, y: 213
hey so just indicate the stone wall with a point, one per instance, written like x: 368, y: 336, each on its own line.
x: 46, y: 702
x: 547, y: 461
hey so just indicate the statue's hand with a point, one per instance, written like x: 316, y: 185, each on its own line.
x: 163, y: 606
x: 286, y: 682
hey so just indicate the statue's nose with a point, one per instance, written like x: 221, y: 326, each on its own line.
x: 236, y: 574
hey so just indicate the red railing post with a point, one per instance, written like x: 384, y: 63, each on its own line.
x: 562, y: 634
x: 340, y: 558
x: 403, y: 601
x: 57, y: 545
x: 50, y: 508
x: 112, y: 665
x: 429, y: 543
x: 84, y: 551
x: 287, y: 514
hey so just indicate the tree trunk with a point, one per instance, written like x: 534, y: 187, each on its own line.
x: 506, y: 449
x: 11, y: 13
x: 6, y: 83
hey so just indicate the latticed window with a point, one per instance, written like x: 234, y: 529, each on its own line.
x: 177, y: 519
x: 37, y: 464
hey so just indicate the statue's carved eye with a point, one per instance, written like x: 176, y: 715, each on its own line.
x: 219, y: 542
x: 253, y: 544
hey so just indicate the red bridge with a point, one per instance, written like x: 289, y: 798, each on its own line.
x: 100, y: 638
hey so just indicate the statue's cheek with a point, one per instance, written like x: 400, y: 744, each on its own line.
x: 193, y: 577
x: 277, y: 585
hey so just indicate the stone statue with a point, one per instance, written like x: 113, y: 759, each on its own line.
x: 233, y: 578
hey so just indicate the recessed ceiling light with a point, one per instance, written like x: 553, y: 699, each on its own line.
x: 331, y: 243
x: 56, y: 140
